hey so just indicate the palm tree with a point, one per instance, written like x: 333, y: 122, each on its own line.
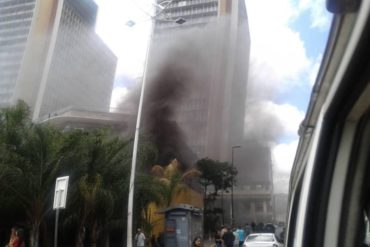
x: 30, y: 162
x: 172, y: 180
x: 102, y: 173
x: 148, y: 192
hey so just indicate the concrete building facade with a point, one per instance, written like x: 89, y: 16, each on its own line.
x: 59, y: 62
x: 15, y: 23
x: 253, y: 190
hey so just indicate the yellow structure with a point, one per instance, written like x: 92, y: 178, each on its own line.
x: 182, y: 193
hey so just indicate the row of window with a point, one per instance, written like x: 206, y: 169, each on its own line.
x: 192, y: 11
x: 17, y: 40
x: 16, y: 16
x: 26, y: 7
x: 7, y: 3
x: 15, y: 31
x: 190, y: 2
x: 193, y: 21
x: 9, y: 25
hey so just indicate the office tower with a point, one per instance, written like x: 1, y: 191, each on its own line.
x: 211, y: 115
x: 57, y: 61
x: 15, y: 23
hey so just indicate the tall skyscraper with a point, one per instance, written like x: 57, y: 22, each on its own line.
x: 54, y: 57
x: 211, y: 115
x: 15, y: 24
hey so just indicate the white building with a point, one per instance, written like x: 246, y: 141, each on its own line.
x: 55, y: 58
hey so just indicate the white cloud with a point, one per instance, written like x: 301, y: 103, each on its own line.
x: 320, y: 17
x: 290, y: 117
x: 270, y: 121
x: 278, y: 54
x: 283, y: 155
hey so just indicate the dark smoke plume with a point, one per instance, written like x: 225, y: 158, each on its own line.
x: 180, y: 67
x: 166, y: 91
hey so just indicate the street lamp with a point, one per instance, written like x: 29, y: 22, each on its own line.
x: 232, y: 185
x: 137, y: 131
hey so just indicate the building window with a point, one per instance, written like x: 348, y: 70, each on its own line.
x: 182, y: 3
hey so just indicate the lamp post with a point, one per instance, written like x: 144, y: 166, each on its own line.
x: 137, y: 131
x: 136, y: 141
x: 232, y: 185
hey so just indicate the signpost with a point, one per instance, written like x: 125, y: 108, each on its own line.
x: 60, y: 199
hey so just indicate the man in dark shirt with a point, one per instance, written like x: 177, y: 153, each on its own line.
x: 228, y: 238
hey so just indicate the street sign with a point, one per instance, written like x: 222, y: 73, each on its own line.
x: 60, y: 195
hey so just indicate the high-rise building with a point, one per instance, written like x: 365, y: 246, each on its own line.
x: 211, y: 115
x: 51, y: 57
x: 15, y: 23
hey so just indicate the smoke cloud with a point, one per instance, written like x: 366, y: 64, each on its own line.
x: 182, y: 68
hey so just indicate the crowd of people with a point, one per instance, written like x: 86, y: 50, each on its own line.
x: 224, y: 237
x: 16, y: 238
x: 230, y: 237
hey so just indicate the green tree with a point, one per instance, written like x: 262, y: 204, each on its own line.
x: 172, y: 180
x: 100, y: 181
x: 148, y: 190
x: 30, y: 162
x: 216, y: 176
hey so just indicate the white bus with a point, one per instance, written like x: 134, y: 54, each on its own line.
x: 329, y: 197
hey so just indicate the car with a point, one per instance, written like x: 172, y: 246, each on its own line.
x: 262, y: 240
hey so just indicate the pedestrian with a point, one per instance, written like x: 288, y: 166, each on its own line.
x: 228, y: 238
x: 253, y: 225
x: 241, y: 234
x: 139, y: 238
x: 13, y: 239
x: 218, y: 239
x: 20, y: 235
x: 236, y: 239
x: 223, y: 230
x: 197, y: 242
x: 160, y: 239
x: 153, y: 241
x: 248, y: 230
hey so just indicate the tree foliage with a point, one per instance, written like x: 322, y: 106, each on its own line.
x: 216, y: 177
x: 98, y: 164
x: 32, y: 156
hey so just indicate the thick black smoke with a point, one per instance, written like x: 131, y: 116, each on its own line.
x: 165, y: 92
x: 183, y: 68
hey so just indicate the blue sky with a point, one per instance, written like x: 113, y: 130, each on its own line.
x: 288, y: 42
x: 288, y: 38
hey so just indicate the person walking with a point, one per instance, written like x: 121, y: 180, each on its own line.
x: 197, y: 242
x: 20, y: 235
x: 248, y: 230
x: 228, y: 238
x: 218, y: 239
x: 139, y: 238
x: 236, y: 239
x: 241, y: 234
x: 13, y: 240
